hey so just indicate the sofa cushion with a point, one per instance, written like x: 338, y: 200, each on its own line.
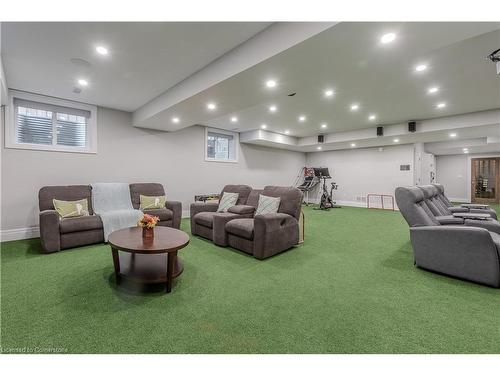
x: 149, y: 189
x: 267, y: 205
x: 241, y: 209
x: 79, y: 224
x: 205, y: 218
x: 241, y: 228
x: 67, y: 209
x: 227, y: 201
x: 163, y: 213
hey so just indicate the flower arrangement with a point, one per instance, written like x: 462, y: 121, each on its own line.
x: 148, y: 221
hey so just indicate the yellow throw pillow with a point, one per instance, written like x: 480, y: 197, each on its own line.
x: 71, y: 208
x: 150, y: 203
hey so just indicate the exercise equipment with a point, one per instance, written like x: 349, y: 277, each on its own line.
x: 306, y: 181
x: 326, y: 199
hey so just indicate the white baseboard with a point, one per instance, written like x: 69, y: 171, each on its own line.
x: 19, y: 234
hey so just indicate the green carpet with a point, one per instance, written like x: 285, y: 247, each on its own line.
x: 351, y: 288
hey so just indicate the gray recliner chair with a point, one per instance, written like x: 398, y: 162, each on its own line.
x: 202, y: 213
x: 469, y: 253
x: 442, y: 197
x: 445, y: 217
x: 266, y: 235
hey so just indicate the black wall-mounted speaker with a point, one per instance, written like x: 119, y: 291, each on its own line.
x: 380, y: 130
x: 321, y: 138
x: 412, y: 126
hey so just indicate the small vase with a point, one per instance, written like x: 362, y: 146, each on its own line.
x: 148, y: 233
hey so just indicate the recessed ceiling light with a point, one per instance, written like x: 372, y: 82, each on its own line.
x: 83, y: 82
x: 287, y: 131
x: 453, y: 135
x: 302, y: 118
x: 101, y: 50
x: 441, y: 105
x: 433, y: 90
x: 354, y: 107
x: 272, y: 108
x: 421, y: 67
x: 372, y: 117
x: 234, y: 119
x: 353, y: 144
x: 271, y: 83
x: 324, y: 126
x: 319, y: 147
x: 263, y: 126
x: 211, y: 106
x: 395, y: 140
x: 175, y: 120
x: 329, y: 93
x: 387, y: 38
x: 466, y: 149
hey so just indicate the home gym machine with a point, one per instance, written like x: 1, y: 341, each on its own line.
x: 306, y: 181
x: 326, y: 199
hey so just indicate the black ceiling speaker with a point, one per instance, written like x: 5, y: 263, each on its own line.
x: 380, y: 130
x: 321, y: 138
x: 412, y: 126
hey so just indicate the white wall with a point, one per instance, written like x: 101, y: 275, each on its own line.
x: 359, y: 172
x: 128, y: 154
x: 454, y: 172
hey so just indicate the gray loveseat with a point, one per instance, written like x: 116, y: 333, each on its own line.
x: 57, y: 234
x: 467, y: 252
x: 261, y: 236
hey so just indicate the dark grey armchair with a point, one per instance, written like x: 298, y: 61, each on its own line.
x: 469, y: 253
x: 202, y: 213
x: 446, y: 202
x: 266, y: 235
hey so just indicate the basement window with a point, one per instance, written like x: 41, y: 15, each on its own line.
x: 37, y: 122
x: 221, y: 145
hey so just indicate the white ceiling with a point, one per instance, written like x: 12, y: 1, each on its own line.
x: 145, y: 59
x: 350, y: 59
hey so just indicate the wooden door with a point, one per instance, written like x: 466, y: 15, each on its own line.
x: 485, y: 180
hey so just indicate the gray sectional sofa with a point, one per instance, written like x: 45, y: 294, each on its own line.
x: 464, y: 248
x: 57, y: 234
x: 259, y: 235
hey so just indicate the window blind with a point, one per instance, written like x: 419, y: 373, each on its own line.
x: 46, y: 124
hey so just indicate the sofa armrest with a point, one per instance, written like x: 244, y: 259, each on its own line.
x: 475, y: 205
x: 455, y: 209
x: 176, y: 208
x: 449, y: 220
x: 460, y: 251
x: 274, y: 233
x: 472, y: 215
x: 242, y: 209
x: 50, y: 235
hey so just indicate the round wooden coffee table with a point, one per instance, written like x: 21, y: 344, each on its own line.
x: 147, y: 260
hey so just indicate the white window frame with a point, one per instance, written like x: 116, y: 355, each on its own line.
x: 11, y: 129
x: 236, y: 140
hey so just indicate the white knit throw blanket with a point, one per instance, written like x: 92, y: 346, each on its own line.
x: 111, y: 201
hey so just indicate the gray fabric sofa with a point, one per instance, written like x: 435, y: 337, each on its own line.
x: 202, y: 213
x: 446, y: 202
x: 265, y: 235
x: 57, y: 234
x: 467, y: 252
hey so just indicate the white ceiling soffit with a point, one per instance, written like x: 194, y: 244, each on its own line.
x: 465, y: 127
x: 144, y: 59
x: 473, y: 146
x: 180, y: 100
x: 349, y: 59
